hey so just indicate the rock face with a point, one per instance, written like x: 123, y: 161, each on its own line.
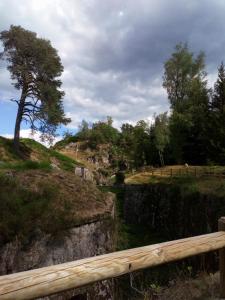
x: 84, y: 173
x: 45, y: 250
x: 168, y: 210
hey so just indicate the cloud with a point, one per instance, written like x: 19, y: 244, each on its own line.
x: 26, y: 133
x: 113, y: 51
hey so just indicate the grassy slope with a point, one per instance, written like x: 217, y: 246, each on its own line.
x: 145, y: 176
x: 34, y: 200
x: 35, y: 156
x: 204, y: 184
x: 34, y: 196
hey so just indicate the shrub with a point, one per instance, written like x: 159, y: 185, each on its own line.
x: 120, y: 177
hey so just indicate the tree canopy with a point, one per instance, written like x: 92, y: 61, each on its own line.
x: 35, y: 68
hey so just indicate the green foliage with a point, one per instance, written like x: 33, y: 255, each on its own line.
x: 26, y: 165
x: 120, y: 177
x: 184, y: 80
x: 217, y: 119
x: 102, y: 133
x: 43, y: 156
x: 194, y: 131
x: 161, y: 133
x: 66, y: 163
x: 68, y: 139
x: 22, y: 210
x: 180, y: 71
x: 35, y: 67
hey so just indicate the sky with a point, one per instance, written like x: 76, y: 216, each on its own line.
x: 113, y: 52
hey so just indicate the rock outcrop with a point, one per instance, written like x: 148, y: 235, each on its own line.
x: 86, y: 240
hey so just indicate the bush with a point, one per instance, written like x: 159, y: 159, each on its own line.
x: 120, y: 177
x: 21, y: 209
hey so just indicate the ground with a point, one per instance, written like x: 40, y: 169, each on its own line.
x: 40, y: 190
x: 204, y: 287
x: 33, y: 155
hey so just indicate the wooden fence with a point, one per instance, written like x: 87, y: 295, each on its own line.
x: 192, y: 171
x: 58, y: 278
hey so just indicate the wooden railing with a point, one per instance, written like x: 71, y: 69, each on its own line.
x: 190, y: 171
x: 58, y: 278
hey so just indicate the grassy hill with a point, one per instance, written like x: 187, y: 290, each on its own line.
x: 35, y: 195
x: 34, y: 200
x: 34, y: 156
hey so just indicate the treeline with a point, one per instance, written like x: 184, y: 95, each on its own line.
x: 192, y: 132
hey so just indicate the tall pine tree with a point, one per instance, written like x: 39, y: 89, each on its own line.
x: 217, y: 120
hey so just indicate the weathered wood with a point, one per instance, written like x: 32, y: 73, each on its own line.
x: 221, y: 227
x: 58, y: 278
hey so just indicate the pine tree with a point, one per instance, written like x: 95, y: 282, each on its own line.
x: 218, y: 100
x: 35, y: 67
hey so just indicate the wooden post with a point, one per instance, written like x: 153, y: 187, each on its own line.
x: 221, y: 227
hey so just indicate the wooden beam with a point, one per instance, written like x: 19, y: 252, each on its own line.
x: 58, y: 278
x: 221, y: 226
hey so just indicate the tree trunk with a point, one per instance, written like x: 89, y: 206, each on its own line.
x: 161, y: 158
x: 16, y: 141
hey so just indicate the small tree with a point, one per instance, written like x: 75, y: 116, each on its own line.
x: 161, y: 130
x: 35, y: 67
x: 218, y: 100
x: 217, y: 130
x: 179, y: 72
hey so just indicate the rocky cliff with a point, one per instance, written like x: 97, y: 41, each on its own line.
x: 45, y: 250
x: 57, y: 235
x: 174, y: 210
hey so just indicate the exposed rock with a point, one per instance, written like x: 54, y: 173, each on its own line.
x: 54, y: 166
x: 45, y: 250
x: 84, y: 173
x: 87, y: 229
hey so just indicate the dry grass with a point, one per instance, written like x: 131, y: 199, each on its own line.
x: 85, y: 200
x: 149, y: 174
x: 204, y: 287
x: 51, y: 201
x: 34, y: 152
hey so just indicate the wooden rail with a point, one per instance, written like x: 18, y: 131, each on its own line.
x: 62, y: 277
x: 190, y: 171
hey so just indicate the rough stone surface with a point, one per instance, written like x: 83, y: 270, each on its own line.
x: 45, y: 250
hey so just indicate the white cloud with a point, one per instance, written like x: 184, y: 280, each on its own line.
x: 113, y: 51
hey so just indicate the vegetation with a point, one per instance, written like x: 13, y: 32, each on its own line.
x: 35, y: 67
x: 194, y: 131
x: 35, y: 156
x: 34, y: 201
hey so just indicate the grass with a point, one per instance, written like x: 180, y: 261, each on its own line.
x: 26, y: 165
x: 35, y: 200
x: 208, y: 185
x: 34, y: 156
x: 145, y: 176
x: 21, y: 210
x: 66, y: 163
